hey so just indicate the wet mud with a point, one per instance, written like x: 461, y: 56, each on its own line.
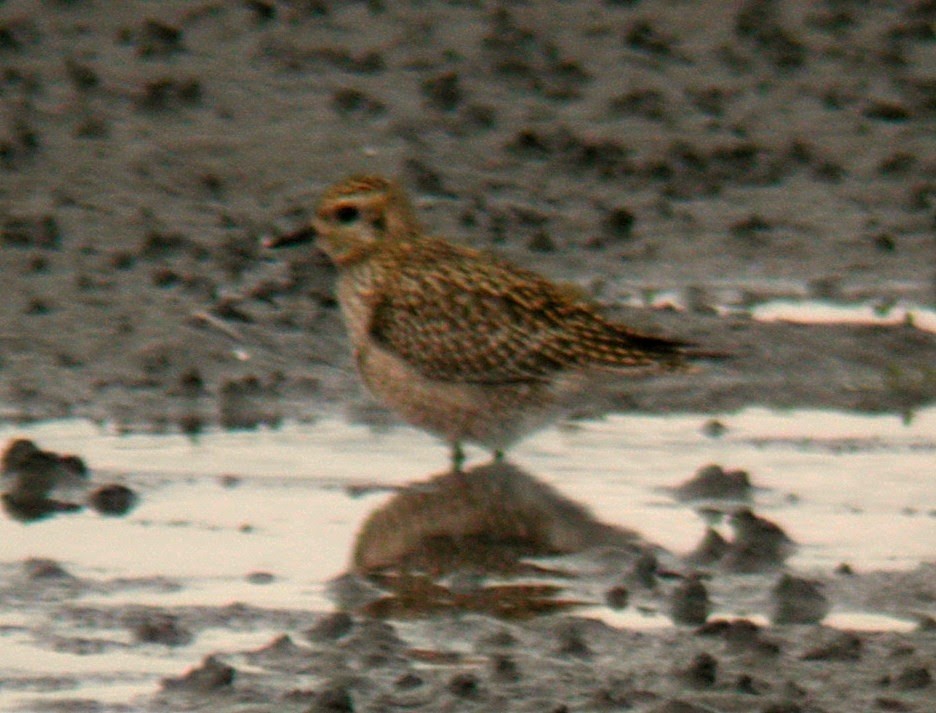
x: 681, y: 166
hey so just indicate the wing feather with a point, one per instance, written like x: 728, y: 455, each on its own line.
x: 472, y: 318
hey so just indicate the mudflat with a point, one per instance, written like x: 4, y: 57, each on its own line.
x: 683, y: 164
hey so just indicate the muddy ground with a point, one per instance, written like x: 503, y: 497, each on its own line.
x: 727, y: 152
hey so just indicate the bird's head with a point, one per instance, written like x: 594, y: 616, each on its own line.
x: 353, y: 216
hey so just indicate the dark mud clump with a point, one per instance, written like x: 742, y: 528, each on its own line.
x: 715, y: 483
x: 36, y: 483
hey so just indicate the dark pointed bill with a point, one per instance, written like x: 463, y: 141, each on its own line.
x: 297, y: 237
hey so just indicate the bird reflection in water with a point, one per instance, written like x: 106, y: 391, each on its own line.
x: 441, y: 543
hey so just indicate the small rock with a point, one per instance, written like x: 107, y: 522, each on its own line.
x: 617, y: 597
x: 333, y: 700
x: 157, y: 39
x: 36, y: 231
x: 844, y: 647
x: 644, y: 570
x: 714, y: 428
x: 759, y: 544
x: 504, y: 669
x: 677, y: 706
x: 702, y: 672
x: 710, y: 550
x: 408, y: 681
x: 37, y: 569
x: 797, y: 601
x: 743, y: 635
x: 330, y: 627
x: 745, y: 684
x: 783, y: 707
x: 715, y: 483
x: 463, y: 685
x: 114, y: 500
x: 912, y: 678
x: 443, y: 92
x: 212, y: 675
x: 689, y: 602
x: 162, y: 629
x: 886, y: 111
x: 618, y: 224
x: 571, y: 642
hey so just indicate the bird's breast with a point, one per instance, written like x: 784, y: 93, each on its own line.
x: 356, y: 294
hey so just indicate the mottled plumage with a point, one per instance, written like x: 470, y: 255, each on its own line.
x: 458, y: 341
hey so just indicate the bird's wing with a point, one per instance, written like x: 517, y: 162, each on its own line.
x: 483, y: 321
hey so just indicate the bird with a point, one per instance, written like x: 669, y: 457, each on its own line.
x: 457, y: 341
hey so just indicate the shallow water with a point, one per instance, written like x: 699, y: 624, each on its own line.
x: 800, y: 310
x: 827, y: 478
x: 849, y: 488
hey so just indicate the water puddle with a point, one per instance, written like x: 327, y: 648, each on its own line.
x: 822, y: 312
x: 796, y: 309
x: 266, y: 518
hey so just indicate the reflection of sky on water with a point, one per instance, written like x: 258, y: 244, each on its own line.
x: 849, y: 488
x: 830, y: 479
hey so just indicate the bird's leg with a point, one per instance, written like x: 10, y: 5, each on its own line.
x: 458, y: 457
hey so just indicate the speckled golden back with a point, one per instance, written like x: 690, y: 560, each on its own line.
x: 462, y: 315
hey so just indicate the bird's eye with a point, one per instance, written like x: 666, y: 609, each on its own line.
x: 347, y: 214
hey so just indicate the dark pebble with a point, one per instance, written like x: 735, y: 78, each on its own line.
x: 797, y: 601
x: 504, y: 669
x: 782, y: 707
x: 759, y: 544
x: 677, y: 706
x: 571, y: 642
x: 212, y: 675
x: 162, y: 629
x: 710, y: 550
x: 844, y: 647
x: 713, y: 482
x: 714, y: 428
x: 35, y: 231
x: 113, y: 500
x: 913, y: 678
x: 349, y: 101
x: 443, y: 92
x: 330, y: 627
x: 743, y: 635
x: 886, y: 111
x: 37, y: 569
x: 501, y: 639
x: 82, y: 77
x: 31, y: 509
x: 746, y: 684
x: 644, y: 570
x: 169, y: 93
x: 408, y: 681
x: 333, y: 700
x: 689, y: 602
x: 702, y: 672
x: 157, y: 39
x: 463, y: 685
x: 617, y: 597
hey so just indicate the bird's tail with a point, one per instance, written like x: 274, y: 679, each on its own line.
x: 624, y: 348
